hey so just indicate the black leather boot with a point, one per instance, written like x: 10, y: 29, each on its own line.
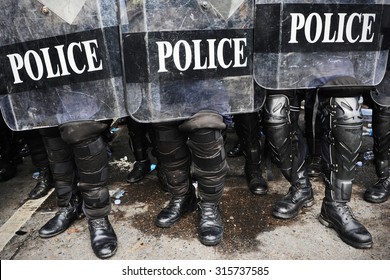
x: 103, y: 238
x: 140, y: 169
x: 177, y: 206
x: 379, y: 192
x: 339, y: 216
x: 63, y: 219
x: 256, y: 183
x: 210, y: 224
x: 44, y: 184
x: 298, y: 196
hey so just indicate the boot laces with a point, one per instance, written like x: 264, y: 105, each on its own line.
x: 209, y: 210
x: 345, y: 211
x: 65, y: 210
x: 99, y: 223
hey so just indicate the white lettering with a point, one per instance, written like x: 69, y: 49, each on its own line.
x: 353, y: 28
x: 38, y: 63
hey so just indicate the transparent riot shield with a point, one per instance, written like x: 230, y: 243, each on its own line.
x: 185, y: 56
x: 381, y: 95
x: 303, y: 44
x: 60, y: 61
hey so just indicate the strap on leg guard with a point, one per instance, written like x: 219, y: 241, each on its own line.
x: 174, y: 157
x: 62, y: 167
x: 344, y: 137
x: 92, y: 163
x: 209, y: 162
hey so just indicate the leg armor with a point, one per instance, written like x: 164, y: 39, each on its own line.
x: 289, y: 150
x: 343, y: 121
x: 174, y: 168
x: 174, y: 157
x: 62, y: 166
x: 209, y: 168
x: 208, y: 154
x: 343, y: 137
x: 285, y: 138
x: 91, y: 159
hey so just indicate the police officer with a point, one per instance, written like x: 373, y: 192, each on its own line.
x: 79, y: 163
x: 289, y: 149
x: 197, y: 143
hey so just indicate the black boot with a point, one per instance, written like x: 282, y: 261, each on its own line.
x: 44, y: 184
x: 178, y: 205
x: 140, y: 169
x: 339, y: 216
x: 297, y: 197
x: 256, y: 183
x: 379, y: 192
x: 63, y: 219
x: 210, y: 224
x: 103, y: 238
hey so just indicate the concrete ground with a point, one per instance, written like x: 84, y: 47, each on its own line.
x: 251, y: 233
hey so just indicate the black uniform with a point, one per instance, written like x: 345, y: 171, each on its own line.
x: 79, y: 163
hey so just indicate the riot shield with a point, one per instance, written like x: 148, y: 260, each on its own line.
x: 303, y: 44
x: 60, y: 61
x: 381, y: 95
x: 185, y: 56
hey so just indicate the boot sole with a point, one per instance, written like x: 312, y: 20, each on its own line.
x: 329, y: 224
x: 210, y: 243
x: 294, y: 214
x: 376, y: 200
x: 108, y: 255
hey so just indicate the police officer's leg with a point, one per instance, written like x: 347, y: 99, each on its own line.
x: 313, y: 133
x: 209, y: 169
x: 248, y: 130
x: 342, y: 120
x: 91, y: 159
x: 69, y: 202
x: 40, y: 160
x: 380, y: 191
x: 138, y: 145
x: 174, y: 164
x: 289, y: 150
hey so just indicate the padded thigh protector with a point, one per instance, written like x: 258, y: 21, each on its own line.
x: 344, y: 138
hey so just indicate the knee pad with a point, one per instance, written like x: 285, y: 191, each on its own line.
x: 203, y: 119
x: 79, y: 131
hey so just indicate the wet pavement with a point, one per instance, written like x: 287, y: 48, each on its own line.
x: 251, y: 233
